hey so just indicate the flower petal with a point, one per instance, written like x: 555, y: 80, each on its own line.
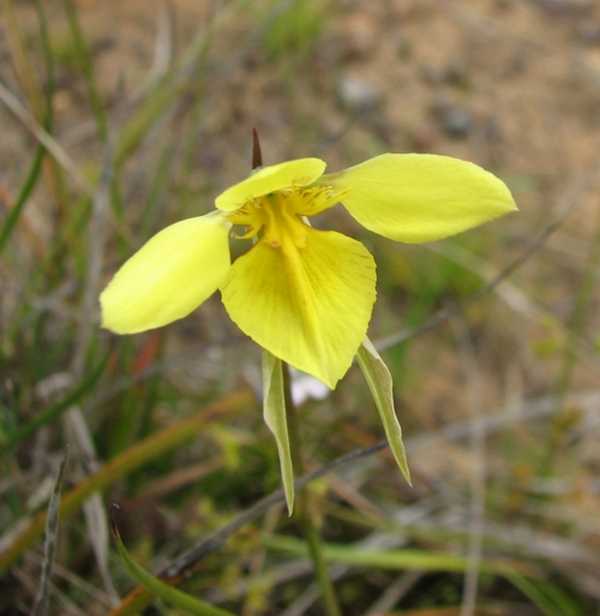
x: 299, y: 172
x: 309, y: 306
x: 171, y: 275
x: 420, y: 197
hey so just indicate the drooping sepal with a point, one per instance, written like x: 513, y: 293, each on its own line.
x: 274, y: 413
x: 379, y: 381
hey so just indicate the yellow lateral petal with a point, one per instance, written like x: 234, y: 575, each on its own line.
x: 420, y: 197
x: 309, y: 306
x: 299, y: 172
x: 171, y: 275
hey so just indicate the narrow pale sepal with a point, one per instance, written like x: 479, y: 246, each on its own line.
x: 418, y: 198
x: 379, y: 381
x: 309, y: 305
x: 274, y: 413
x: 169, y: 276
x: 298, y: 172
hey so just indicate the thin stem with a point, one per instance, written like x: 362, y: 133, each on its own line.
x: 302, y: 513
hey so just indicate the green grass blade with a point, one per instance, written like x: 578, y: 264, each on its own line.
x: 15, y: 212
x: 85, y: 61
x: 159, y: 588
x: 546, y: 597
x: 550, y: 600
x: 35, y: 168
x: 416, y: 560
x: 52, y: 524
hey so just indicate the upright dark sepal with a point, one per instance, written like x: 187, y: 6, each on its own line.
x: 257, y: 160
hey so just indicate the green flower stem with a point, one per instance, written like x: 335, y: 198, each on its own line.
x: 302, y: 512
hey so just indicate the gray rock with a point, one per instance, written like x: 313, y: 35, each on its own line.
x: 456, y: 121
x: 358, y: 94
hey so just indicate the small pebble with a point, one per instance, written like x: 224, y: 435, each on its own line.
x: 358, y: 94
x: 456, y: 121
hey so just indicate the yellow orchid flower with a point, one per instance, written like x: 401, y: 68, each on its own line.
x: 303, y: 294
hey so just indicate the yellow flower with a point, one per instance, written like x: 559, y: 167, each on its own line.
x: 303, y: 294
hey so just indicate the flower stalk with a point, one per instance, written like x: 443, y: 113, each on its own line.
x: 302, y: 509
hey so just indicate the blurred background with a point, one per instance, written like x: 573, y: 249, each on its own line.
x: 120, y: 118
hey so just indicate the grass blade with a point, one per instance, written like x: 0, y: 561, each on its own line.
x: 159, y: 588
x: 413, y: 560
x: 52, y: 521
x: 85, y: 61
x: 30, y: 181
x: 36, y: 164
x: 547, y: 598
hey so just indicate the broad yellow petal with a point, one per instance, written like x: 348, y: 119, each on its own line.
x: 171, y: 275
x: 420, y: 197
x: 310, y: 306
x: 299, y: 172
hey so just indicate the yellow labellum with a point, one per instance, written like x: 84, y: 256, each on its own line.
x: 311, y: 301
